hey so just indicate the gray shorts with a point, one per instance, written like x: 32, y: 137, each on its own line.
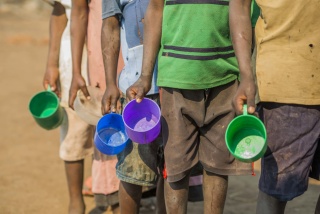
x: 292, y: 154
x: 138, y: 163
x: 193, y: 129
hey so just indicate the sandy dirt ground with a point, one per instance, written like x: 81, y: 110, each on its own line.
x: 32, y: 178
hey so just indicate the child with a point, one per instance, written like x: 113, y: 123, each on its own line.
x: 86, y: 24
x: 287, y: 76
x: 198, y: 76
x: 76, y: 135
x: 138, y: 164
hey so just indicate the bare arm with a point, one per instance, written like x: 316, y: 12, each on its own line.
x: 79, y: 23
x: 152, y: 37
x: 241, y: 32
x: 110, y: 44
x: 58, y: 23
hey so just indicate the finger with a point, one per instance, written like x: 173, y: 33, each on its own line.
x: 85, y: 92
x: 251, y: 104
x: 238, y: 105
x: 72, y: 97
x: 113, y: 107
x: 53, y: 86
x: 104, y: 107
x: 45, y: 83
x: 130, y: 94
x: 139, y: 96
x: 119, y: 105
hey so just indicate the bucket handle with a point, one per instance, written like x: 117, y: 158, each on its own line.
x: 49, y: 88
x: 245, y: 109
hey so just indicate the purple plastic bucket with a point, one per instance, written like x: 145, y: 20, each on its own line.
x: 110, y: 137
x: 142, y: 120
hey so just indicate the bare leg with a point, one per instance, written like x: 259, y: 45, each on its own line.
x: 176, y: 196
x: 161, y: 206
x: 214, y: 192
x: 129, y: 198
x: 317, y: 211
x: 269, y: 205
x: 74, y: 173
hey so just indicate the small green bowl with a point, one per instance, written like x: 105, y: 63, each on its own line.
x: 246, y: 137
x: 46, y: 110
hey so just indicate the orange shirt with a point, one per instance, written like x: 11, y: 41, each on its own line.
x: 288, y: 51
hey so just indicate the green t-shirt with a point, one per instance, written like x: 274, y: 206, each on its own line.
x: 196, y: 50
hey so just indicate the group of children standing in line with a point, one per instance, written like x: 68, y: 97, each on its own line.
x: 193, y: 57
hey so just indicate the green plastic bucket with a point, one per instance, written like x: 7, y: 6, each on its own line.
x: 246, y: 137
x: 46, y: 110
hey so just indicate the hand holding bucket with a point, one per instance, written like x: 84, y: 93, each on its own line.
x: 46, y: 110
x: 246, y: 137
x: 142, y: 120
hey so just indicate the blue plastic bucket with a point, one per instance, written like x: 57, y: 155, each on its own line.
x: 110, y: 137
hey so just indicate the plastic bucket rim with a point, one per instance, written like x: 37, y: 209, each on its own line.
x: 256, y: 157
x: 250, y: 116
x: 155, y: 125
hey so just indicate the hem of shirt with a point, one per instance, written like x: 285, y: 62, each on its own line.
x: 285, y: 100
x: 111, y: 13
x: 190, y: 86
